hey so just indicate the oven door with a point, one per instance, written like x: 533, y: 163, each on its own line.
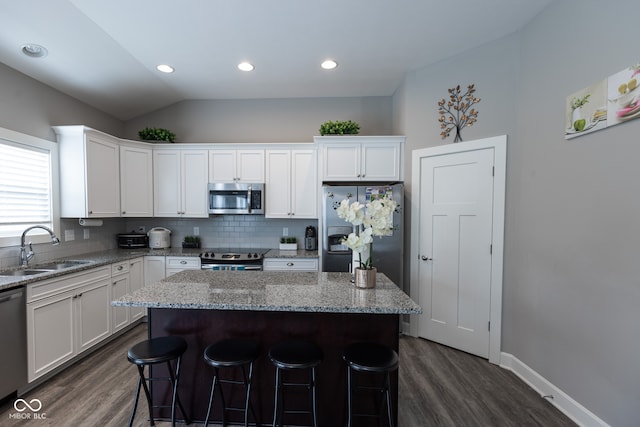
x: 232, y: 267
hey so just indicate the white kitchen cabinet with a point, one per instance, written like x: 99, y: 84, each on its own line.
x: 136, y: 281
x: 290, y: 264
x: 291, y: 184
x: 236, y: 166
x: 66, y: 316
x: 136, y: 181
x: 361, y: 158
x: 180, y: 179
x: 154, y: 269
x: 176, y: 264
x: 120, y: 286
x: 89, y: 173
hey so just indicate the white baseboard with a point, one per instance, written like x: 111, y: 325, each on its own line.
x: 572, y: 409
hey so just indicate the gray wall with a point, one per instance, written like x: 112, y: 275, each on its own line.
x: 31, y: 107
x: 264, y: 120
x: 571, y: 287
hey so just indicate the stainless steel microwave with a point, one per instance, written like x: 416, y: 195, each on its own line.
x: 236, y: 198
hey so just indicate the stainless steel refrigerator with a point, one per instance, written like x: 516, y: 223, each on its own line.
x: 387, y: 250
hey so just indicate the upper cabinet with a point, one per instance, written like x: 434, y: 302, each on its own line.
x: 180, y: 183
x: 136, y: 180
x: 291, y: 184
x: 236, y: 166
x: 361, y: 158
x: 89, y: 173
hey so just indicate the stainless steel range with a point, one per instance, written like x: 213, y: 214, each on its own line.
x: 232, y: 259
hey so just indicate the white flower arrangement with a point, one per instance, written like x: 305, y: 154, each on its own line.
x: 373, y: 219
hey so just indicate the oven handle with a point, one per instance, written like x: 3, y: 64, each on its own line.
x: 231, y: 267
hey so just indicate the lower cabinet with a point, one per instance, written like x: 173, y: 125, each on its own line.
x: 176, y: 264
x: 136, y: 281
x: 120, y: 286
x: 66, y: 316
x: 290, y: 264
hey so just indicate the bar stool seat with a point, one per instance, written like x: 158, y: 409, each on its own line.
x: 232, y: 353
x: 295, y: 355
x: 155, y: 351
x: 369, y: 357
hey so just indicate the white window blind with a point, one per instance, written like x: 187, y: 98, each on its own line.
x: 25, y: 187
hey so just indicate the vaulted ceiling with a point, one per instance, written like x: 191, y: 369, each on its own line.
x: 105, y: 53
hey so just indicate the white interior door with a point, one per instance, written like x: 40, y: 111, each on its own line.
x: 454, y: 245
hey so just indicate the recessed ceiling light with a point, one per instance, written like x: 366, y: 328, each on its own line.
x: 246, y: 66
x: 33, y: 50
x: 329, y: 64
x: 165, y: 68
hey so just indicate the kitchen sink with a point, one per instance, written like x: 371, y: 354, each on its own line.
x: 28, y: 272
x: 60, y: 265
x: 43, y: 268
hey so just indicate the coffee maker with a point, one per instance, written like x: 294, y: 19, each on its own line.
x: 310, y: 239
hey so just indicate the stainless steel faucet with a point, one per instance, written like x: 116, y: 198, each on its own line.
x: 26, y: 256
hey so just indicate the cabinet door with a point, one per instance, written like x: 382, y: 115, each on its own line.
x: 380, y: 162
x: 154, y: 270
x: 103, y: 177
x: 136, y: 281
x: 50, y: 332
x: 341, y: 162
x: 136, y: 182
x: 166, y: 183
x: 250, y: 166
x: 195, y: 172
x: 120, y: 286
x: 93, y: 309
x: 278, y: 184
x: 304, y: 184
x: 222, y: 166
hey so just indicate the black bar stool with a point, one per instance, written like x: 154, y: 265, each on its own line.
x: 295, y: 355
x: 232, y: 353
x: 370, y: 357
x: 151, y: 352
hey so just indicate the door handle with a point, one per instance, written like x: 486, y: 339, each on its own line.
x: 426, y: 258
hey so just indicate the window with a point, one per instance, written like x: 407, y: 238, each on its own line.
x: 26, y: 171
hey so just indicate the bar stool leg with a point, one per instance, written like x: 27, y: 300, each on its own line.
x: 247, y: 404
x: 313, y: 397
x: 277, y: 398
x: 176, y: 398
x: 213, y: 388
x: 147, y: 394
x: 349, y: 409
x: 388, y: 394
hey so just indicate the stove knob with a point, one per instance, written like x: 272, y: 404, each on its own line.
x: 212, y: 255
x: 255, y: 255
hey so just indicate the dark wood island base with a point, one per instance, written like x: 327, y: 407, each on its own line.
x: 331, y: 331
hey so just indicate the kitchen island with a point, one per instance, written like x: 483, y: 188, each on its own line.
x: 206, y: 306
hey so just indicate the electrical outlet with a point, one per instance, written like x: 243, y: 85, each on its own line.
x: 285, y: 231
x: 196, y: 231
x: 142, y: 229
x: 69, y: 235
x: 86, y: 233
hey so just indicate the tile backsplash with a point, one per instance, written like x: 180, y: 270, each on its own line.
x: 242, y: 231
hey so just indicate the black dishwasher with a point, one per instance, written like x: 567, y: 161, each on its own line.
x: 13, y: 336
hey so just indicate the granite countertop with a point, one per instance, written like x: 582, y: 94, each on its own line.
x: 271, y: 291
x: 92, y: 260
x: 98, y: 259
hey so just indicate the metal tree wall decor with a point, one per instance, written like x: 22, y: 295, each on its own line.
x: 457, y: 112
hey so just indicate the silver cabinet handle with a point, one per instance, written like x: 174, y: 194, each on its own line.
x: 426, y: 258
x: 289, y: 264
x: 183, y: 262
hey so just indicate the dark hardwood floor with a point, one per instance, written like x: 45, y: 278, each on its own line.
x: 438, y: 386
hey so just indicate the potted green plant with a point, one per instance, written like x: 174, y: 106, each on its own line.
x: 347, y: 127
x: 191, y: 242
x: 288, y: 244
x: 156, y: 134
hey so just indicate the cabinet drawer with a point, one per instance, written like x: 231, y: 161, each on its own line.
x: 48, y: 287
x: 182, y: 263
x: 120, y: 268
x: 291, y: 264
